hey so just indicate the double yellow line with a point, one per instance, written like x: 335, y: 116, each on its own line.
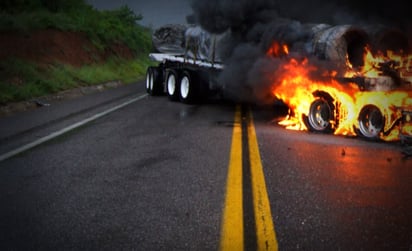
x: 232, y: 235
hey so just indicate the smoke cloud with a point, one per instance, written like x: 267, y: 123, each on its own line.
x: 252, y: 26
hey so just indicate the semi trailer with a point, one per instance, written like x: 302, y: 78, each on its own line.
x: 189, y: 65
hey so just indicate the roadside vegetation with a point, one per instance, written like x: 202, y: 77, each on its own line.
x: 23, y: 79
x: 35, y: 81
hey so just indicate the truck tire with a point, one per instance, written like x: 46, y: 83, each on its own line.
x: 188, y: 88
x: 371, y: 122
x: 154, y: 81
x: 173, y: 85
x: 321, y: 113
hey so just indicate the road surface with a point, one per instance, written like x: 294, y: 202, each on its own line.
x: 159, y: 175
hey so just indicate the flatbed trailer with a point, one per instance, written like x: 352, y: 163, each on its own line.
x: 182, y: 78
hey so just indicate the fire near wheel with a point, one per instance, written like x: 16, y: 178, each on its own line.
x: 153, y: 81
x: 320, y: 116
x: 172, y: 84
x: 371, y: 122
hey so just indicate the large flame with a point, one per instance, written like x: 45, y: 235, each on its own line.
x: 293, y: 84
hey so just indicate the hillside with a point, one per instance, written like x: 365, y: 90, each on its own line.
x: 49, y: 50
x: 51, y: 46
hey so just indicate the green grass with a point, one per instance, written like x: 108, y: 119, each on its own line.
x: 126, y: 71
x: 25, y: 81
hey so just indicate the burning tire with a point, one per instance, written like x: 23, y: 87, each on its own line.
x: 371, y: 122
x: 154, y: 81
x: 172, y: 85
x: 188, y: 89
x: 320, y: 116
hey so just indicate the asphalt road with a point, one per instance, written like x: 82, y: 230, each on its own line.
x: 153, y: 175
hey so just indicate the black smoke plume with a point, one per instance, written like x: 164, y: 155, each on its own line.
x: 253, y: 25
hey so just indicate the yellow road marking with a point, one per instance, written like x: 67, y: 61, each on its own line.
x: 232, y: 223
x: 265, y: 231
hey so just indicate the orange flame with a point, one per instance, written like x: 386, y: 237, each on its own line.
x: 293, y: 84
x: 371, y: 67
x: 277, y: 50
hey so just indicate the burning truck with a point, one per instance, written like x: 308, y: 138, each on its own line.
x: 366, y: 90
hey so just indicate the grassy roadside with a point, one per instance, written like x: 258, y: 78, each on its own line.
x: 35, y: 81
x: 23, y: 79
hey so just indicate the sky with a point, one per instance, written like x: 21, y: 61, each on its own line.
x: 155, y: 12
x: 159, y: 12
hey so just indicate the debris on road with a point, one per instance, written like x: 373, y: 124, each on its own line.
x: 40, y: 103
x: 407, y: 152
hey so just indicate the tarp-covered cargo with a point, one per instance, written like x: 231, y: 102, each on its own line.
x: 190, y: 41
x: 170, y: 39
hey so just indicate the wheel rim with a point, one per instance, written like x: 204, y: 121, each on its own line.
x: 319, y: 115
x: 371, y: 122
x: 148, y: 79
x: 171, y: 84
x: 151, y: 81
x: 184, y: 87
